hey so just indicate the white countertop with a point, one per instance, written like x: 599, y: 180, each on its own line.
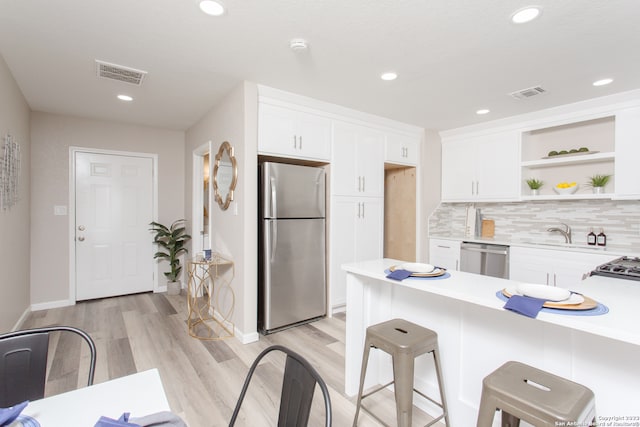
x: 621, y: 296
x: 613, y: 250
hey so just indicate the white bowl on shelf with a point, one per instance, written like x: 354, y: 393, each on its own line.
x: 565, y: 191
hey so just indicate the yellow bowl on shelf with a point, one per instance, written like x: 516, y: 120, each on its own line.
x: 565, y: 188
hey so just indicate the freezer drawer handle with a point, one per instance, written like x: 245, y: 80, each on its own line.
x: 274, y: 239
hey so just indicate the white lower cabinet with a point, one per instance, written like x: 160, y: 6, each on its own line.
x: 445, y: 253
x: 356, y: 234
x: 560, y: 268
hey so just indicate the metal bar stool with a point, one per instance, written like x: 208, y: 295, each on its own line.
x: 404, y: 341
x: 526, y: 393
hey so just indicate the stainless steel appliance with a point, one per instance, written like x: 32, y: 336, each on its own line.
x: 292, y: 272
x: 624, y: 268
x: 484, y: 258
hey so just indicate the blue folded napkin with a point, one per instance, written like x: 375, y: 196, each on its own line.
x: 123, y: 421
x: 526, y: 306
x: 160, y: 419
x: 8, y: 415
x: 399, y: 274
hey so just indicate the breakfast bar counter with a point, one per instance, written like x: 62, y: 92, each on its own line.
x: 476, y: 335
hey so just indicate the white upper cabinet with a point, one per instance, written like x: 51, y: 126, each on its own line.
x: 357, y: 166
x: 286, y: 132
x: 482, y: 167
x: 401, y: 149
x: 627, y: 131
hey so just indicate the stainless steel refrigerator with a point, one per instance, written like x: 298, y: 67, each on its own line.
x: 292, y: 272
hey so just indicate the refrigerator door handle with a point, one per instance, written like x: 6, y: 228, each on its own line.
x: 274, y: 198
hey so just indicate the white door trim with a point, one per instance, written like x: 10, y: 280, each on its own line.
x: 72, y: 209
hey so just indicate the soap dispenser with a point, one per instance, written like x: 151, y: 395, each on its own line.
x: 591, y: 237
x: 602, y: 238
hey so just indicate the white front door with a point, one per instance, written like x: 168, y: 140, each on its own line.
x: 113, y: 209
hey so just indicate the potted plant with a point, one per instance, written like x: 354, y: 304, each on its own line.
x: 534, y: 184
x: 597, y: 182
x: 172, y: 241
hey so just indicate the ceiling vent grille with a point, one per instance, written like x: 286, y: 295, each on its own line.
x: 132, y: 76
x: 528, y: 93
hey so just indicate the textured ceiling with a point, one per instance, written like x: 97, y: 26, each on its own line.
x: 453, y: 57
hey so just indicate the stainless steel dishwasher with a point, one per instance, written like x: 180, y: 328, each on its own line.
x: 484, y: 258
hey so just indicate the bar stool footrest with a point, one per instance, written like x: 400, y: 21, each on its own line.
x: 377, y: 389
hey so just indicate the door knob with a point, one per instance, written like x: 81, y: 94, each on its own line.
x: 81, y: 238
x: 81, y: 227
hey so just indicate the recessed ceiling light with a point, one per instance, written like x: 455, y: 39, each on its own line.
x: 602, y: 82
x: 389, y: 76
x: 213, y: 8
x: 483, y: 111
x: 525, y: 14
x: 125, y: 98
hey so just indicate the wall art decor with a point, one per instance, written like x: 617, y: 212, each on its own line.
x: 9, y: 172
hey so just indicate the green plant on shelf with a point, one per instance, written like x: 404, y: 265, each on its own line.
x: 598, y: 180
x: 534, y: 183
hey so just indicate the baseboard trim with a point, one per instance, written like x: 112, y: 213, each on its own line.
x: 51, y: 304
x: 339, y: 308
x: 21, y: 320
x: 246, y: 338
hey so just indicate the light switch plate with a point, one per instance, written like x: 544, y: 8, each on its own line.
x: 59, y: 210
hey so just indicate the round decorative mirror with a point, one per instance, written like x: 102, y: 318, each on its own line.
x: 225, y: 175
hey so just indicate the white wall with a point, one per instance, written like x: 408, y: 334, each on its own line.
x: 234, y: 235
x: 14, y: 222
x: 52, y: 135
x: 431, y: 168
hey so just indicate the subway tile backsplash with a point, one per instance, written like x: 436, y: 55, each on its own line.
x: 529, y: 221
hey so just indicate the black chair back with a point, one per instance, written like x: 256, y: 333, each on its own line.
x: 298, y: 387
x: 23, y: 363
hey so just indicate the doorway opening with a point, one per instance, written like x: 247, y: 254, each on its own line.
x: 400, y: 212
x: 201, y: 209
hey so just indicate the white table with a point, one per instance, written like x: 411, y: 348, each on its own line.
x: 140, y: 394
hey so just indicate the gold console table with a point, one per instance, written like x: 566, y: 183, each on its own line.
x: 210, y: 298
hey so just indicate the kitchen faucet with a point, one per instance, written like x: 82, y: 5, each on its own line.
x: 566, y: 232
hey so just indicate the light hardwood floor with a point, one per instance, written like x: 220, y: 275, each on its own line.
x: 202, y: 379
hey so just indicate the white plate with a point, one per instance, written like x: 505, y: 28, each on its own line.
x: 545, y: 292
x: 416, y: 267
x: 574, y: 299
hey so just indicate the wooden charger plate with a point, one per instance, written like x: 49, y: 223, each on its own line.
x: 587, y: 304
x: 439, y: 272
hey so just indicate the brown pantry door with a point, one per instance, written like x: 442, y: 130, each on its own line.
x: 113, y: 208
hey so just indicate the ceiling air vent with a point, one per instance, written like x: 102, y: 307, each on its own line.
x: 527, y: 93
x: 132, y: 76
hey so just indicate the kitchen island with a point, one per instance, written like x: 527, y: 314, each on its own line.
x: 477, y: 335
